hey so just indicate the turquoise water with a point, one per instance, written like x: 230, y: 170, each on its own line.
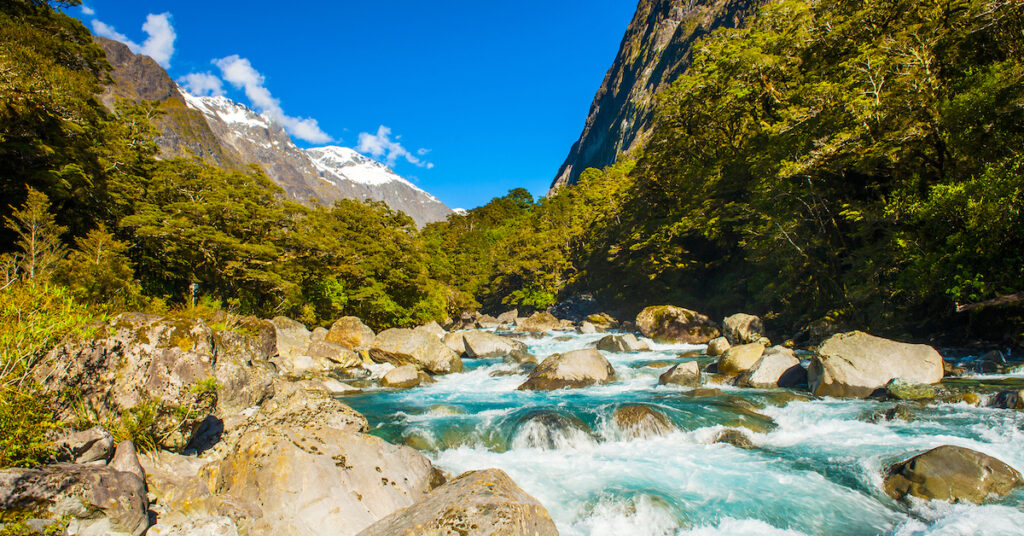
x: 816, y: 469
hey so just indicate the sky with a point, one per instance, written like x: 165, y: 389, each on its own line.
x: 465, y: 99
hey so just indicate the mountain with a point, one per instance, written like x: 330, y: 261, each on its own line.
x: 653, y: 53
x: 233, y: 136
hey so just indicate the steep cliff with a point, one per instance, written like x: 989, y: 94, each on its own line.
x: 653, y: 53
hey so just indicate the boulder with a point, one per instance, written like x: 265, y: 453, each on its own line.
x: 292, y: 337
x: 90, y: 445
x: 351, y: 333
x: 137, y: 362
x: 718, y: 346
x: 243, y: 370
x: 898, y: 412
x: 433, y: 328
x: 586, y: 328
x: 603, y: 321
x: 102, y: 500
x: 739, y: 359
x: 898, y: 389
x: 335, y: 355
x: 626, y: 342
x: 482, y: 344
x: 742, y: 329
x: 950, y: 473
x: 509, y: 317
x: 538, y: 322
x: 126, y: 460
x: 483, y: 503
x: 667, y: 323
x: 572, y: 370
x: 855, y: 365
x: 735, y: 438
x: 456, y: 342
x: 487, y: 322
x: 1008, y: 400
x: 686, y: 374
x: 641, y: 421
x: 334, y: 387
x: 403, y: 377
x: 408, y: 347
x: 319, y: 334
x: 778, y: 367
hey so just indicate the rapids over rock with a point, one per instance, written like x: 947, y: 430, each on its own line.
x: 816, y: 466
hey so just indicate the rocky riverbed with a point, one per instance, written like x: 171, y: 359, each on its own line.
x: 507, y: 425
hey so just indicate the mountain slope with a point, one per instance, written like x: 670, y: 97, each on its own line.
x: 653, y: 53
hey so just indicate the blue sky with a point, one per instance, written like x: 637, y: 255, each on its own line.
x: 476, y: 97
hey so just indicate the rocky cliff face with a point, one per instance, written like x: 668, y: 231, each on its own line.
x: 654, y: 53
x: 231, y: 135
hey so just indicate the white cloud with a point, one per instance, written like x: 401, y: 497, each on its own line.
x: 203, y: 84
x: 380, y: 145
x: 159, y: 43
x: 88, y: 11
x: 241, y: 74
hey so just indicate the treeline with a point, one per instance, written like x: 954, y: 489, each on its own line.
x: 87, y: 205
x: 836, y: 163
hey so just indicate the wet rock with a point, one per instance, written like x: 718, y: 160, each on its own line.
x: 572, y: 370
x: 550, y: 430
x: 656, y: 364
x: 778, y: 367
x: 740, y: 359
x: 485, y: 503
x: 735, y: 438
x: 718, y: 346
x: 667, y: 323
x: 403, y: 377
x: 538, y: 322
x: 408, y: 347
x: 1008, y: 400
x: 783, y: 398
x: 965, y: 398
x: 626, y: 342
x: 292, y: 337
x: 90, y: 445
x: 950, y: 370
x: 950, y: 473
x: 641, y: 421
x: 432, y: 328
x: 351, y: 333
x: 855, y: 365
x: 603, y: 321
x: 586, y: 328
x: 898, y: 412
x: 742, y: 329
x: 686, y: 374
x: 100, y: 498
x: 480, y: 344
x: 898, y: 389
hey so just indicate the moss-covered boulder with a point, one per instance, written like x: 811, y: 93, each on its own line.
x: 641, y: 421
x: 950, y: 473
x: 667, y: 323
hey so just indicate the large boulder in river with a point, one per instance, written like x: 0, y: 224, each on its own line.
x: 537, y: 322
x: 481, y: 503
x: 403, y: 377
x: 739, y: 359
x: 855, y: 365
x: 351, y: 333
x: 482, y: 344
x: 742, y: 328
x: 686, y: 374
x: 456, y: 342
x: 572, y: 370
x: 950, y: 473
x: 641, y: 421
x: 101, y: 500
x: 409, y: 347
x: 667, y: 323
x: 778, y: 367
x: 626, y: 342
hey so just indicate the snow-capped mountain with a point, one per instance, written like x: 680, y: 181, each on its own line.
x: 321, y: 174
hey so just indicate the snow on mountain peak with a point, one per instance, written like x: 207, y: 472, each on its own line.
x: 226, y: 110
x: 347, y: 164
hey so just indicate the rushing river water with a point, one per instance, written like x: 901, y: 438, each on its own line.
x: 816, y: 471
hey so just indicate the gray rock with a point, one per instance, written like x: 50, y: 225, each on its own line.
x: 1008, y: 400
x: 855, y: 365
x: 586, y: 328
x: 667, y: 323
x: 481, y: 503
x: 408, y: 347
x: 126, y: 460
x: 403, y: 377
x: 949, y: 473
x: 718, y: 346
x: 538, y: 322
x: 509, y: 317
x: 351, y: 333
x: 89, y: 493
x: 572, y: 370
x: 626, y: 342
x: 456, y: 342
x: 338, y: 355
x: 742, y: 328
x: 90, y: 445
x: 487, y: 322
x: 778, y: 367
x: 292, y: 337
x: 433, y: 328
x: 686, y: 374
x: 481, y: 344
